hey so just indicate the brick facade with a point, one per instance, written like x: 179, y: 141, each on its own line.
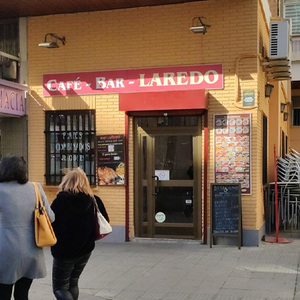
x: 152, y: 37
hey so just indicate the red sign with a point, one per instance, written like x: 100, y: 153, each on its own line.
x: 134, y: 80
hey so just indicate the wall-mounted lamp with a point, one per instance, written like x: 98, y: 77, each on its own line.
x: 54, y: 38
x: 285, y: 116
x: 268, y: 89
x: 282, y: 107
x: 198, y: 26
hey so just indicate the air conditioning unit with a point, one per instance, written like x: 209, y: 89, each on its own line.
x: 279, y: 39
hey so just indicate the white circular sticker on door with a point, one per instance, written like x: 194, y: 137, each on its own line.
x: 160, y: 217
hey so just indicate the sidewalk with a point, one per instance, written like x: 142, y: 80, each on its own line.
x: 152, y: 270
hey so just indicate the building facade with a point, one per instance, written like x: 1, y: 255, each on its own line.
x: 13, y: 104
x: 154, y: 112
x: 291, y: 11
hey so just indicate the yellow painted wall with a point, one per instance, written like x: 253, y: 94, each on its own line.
x: 295, y: 138
x: 277, y: 124
x: 151, y: 37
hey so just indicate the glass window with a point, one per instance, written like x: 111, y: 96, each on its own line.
x: 9, y: 46
x: 70, y: 143
x: 296, y: 110
x: 9, y: 36
x: 292, y: 11
x: 174, y: 154
x: 167, y: 121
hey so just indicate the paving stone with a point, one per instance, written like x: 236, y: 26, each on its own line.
x: 165, y: 270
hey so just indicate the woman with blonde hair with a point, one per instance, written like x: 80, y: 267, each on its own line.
x: 74, y: 227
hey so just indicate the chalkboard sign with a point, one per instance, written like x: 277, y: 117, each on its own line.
x: 225, y: 217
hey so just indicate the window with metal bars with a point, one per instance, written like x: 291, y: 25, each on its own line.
x: 9, y: 36
x: 70, y: 143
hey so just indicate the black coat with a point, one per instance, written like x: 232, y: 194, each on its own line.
x: 74, y: 224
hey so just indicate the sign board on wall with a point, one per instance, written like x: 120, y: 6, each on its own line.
x: 178, y: 78
x: 12, y: 98
x: 232, y: 151
x: 248, y: 98
x: 111, y: 166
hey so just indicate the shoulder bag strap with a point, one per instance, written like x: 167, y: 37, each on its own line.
x: 39, y: 202
x: 95, y: 205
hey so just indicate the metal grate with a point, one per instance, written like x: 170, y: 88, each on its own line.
x: 70, y: 143
x: 274, y: 39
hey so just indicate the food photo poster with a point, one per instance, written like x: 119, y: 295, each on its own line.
x: 232, y: 150
x: 111, y: 165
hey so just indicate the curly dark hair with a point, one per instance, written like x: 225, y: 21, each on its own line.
x: 13, y: 168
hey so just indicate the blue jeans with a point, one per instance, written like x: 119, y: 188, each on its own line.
x: 65, y: 276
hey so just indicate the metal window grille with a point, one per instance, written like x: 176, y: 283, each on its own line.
x: 9, y: 36
x: 70, y: 143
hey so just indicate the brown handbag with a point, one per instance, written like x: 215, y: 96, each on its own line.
x: 44, y: 234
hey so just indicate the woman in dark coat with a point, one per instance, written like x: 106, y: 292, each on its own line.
x: 21, y: 260
x: 75, y: 232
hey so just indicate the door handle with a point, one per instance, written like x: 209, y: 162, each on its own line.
x: 157, y: 186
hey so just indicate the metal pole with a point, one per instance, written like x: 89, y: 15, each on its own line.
x: 276, y: 196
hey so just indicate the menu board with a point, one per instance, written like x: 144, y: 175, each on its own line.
x: 226, y: 210
x: 232, y: 152
x: 111, y: 166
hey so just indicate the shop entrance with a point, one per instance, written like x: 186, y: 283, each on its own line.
x: 168, y: 181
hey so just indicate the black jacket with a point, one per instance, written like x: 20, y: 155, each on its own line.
x: 74, y: 224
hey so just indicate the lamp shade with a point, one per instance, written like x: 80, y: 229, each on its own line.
x: 268, y: 89
x: 282, y: 107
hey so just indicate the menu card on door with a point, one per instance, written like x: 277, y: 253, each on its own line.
x: 232, y: 152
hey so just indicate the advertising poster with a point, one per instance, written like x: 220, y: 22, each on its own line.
x: 111, y: 166
x: 232, y: 152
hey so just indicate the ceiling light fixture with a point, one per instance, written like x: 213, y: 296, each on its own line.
x: 53, y: 42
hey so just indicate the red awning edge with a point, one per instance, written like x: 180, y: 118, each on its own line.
x: 170, y: 100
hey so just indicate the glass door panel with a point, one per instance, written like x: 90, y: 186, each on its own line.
x: 175, y: 155
x: 176, y: 203
x: 173, y: 191
x: 168, y: 172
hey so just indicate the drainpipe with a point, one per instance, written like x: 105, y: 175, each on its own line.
x: 205, y: 176
x: 237, y: 79
x: 126, y: 178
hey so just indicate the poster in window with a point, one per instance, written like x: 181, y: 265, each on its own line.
x: 111, y: 165
x: 232, y: 150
